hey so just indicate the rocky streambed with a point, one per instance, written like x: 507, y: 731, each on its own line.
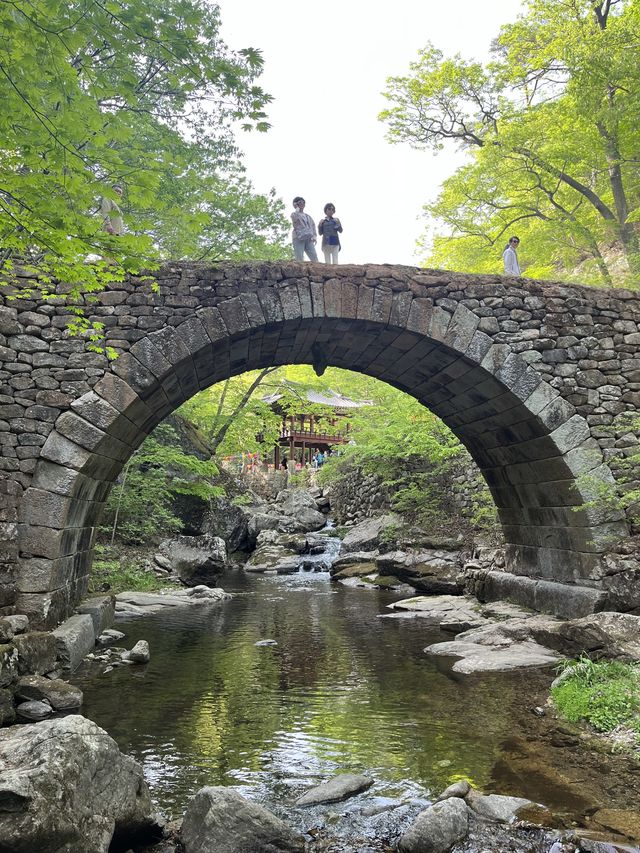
x: 324, y: 696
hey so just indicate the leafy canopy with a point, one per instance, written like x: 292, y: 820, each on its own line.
x: 146, y: 95
x: 550, y: 127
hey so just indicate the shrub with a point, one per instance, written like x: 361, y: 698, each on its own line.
x: 605, y: 694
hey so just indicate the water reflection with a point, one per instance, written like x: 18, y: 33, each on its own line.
x: 342, y: 691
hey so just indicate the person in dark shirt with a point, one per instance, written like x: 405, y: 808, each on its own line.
x: 329, y: 228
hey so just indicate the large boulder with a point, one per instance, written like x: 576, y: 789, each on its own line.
x: 220, y: 820
x: 432, y: 572
x: 195, y: 559
x: 367, y: 535
x: 437, y: 828
x: 228, y: 521
x: 65, y: 786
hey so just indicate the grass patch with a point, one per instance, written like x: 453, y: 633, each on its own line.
x: 606, y: 694
x: 116, y: 571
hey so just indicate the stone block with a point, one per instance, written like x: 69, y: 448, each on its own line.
x: 7, y: 707
x: 101, y: 609
x: 214, y: 326
x: 349, y: 299
x: 40, y: 574
x: 234, y: 314
x: 57, y: 448
x: 571, y: 434
x: 8, y: 664
x: 75, y: 638
x: 36, y: 652
x: 400, y: 308
x: 419, y: 315
x: 151, y: 357
x: 461, y: 329
x: 122, y: 397
x: 306, y: 301
x: 381, y: 309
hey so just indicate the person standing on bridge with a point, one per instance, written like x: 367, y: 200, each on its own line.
x: 329, y: 228
x: 510, y: 257
x: 304, y: 232
x: 111, y: 213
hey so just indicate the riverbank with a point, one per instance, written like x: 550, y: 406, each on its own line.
x: 339, y: 689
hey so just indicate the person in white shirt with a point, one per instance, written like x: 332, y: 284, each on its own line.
x: 304, y: 232
x: 510, y: 257
x: 111, y: 214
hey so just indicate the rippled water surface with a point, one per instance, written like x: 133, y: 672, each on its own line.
x: 343, y: 691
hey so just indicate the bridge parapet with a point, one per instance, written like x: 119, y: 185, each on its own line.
x: 535, y: 378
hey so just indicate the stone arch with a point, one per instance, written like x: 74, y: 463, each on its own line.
x: 527, y: 440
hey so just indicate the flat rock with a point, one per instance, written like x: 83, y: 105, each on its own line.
x: 624, y: 821
x: 339, y: 788
x: 140, y: 603
x: 454, y: 613
x: 495, y: 807
x: 481, y: 658
x: 110, y: 636
x: 61, y: 695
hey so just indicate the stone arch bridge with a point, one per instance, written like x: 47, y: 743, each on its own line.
x: 531, y: 376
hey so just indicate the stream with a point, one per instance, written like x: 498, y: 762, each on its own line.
x: 345, y: 690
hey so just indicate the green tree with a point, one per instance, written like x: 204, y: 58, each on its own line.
x: 97, y: 92
x: 550, y: 128
x: 139, y: 507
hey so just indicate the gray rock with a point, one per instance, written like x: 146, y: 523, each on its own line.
x: 603, y: 635
x: 59, y: 694
x: 458, y: 789
x: 219, y: 820
x: 495, y: 807
x: 99, y: 793
x: 195, y: 559
x: 454, y: 613
x: 7, y: 707
x: 273, y: 558
x: 481, y: 658
x: 19, y: 623
x: 110, y: 636
x: 102, y: 611
x: 366, y: 535
x: 75, y: 638
x: 140, y: 603
x: 437, y: 828
x: 33, y: 711
x: 8, y: 664
x: 339, y: 788
x: 36, y: 652
x: 139, y: 653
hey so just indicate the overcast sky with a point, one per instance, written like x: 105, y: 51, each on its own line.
x: 326, y: 65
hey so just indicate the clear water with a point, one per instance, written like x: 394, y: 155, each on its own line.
x: 342, y: 691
